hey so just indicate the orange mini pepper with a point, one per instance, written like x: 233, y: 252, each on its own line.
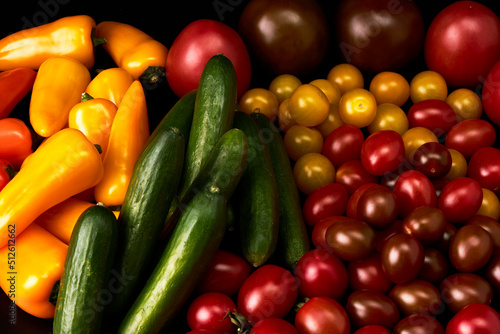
x: 110, y: 84
x: 31, y: 264
x: 129, y: 133
x: 14, y: 85
x: 59, y: 85
x: 64, y: 165
x: 70, y: 36
x: 134, y: 50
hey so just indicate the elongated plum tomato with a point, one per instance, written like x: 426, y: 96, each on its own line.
x: 382, y: 152
x: 321, y: 315
x: 413, y: 189
x: 343, y: 144
x: 326, y: 201
x: 474, y: 318
x: 433, y: 114
x: 470, y: 135
x: 195, y: 45
x: 484, y: 168
x: 460, y: 199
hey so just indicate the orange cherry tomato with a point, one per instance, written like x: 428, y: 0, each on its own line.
x: 330, y: 89
x: 312, y: 171
x: 283, y: 86
x: 415, y: 137
x: 300, y: 140
x: 308, y: 105
x: 466, y: 104
x: 458, y: 165
x: 332, y: 121
x: 260, y: 100
x: 358, y: 107
x: 389, y: 117
x: 390, y: 87
x: 490, y: 206
x: 285, y: 120
x: 428, y: 85
x: 346, y: 77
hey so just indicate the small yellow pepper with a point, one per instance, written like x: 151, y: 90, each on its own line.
x: 110, y: 84
x: 66, y: 164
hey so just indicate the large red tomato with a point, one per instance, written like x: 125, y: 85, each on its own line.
x: 463, y: 43
x: 195, y: 45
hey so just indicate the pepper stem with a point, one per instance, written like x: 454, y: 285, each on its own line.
x: 152, y: 76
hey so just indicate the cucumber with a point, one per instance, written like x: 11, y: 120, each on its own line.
x: 293, y: 239
x: 153, y: 185
x: 257, y: 208
x: 213, y: 115
x: 191, y: 247
x: 83, y: 291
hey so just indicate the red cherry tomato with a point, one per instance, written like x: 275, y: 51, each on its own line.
x: 208, y: 311
x: 202, y: 331
x: 460, y: 199
x: 195, y: 45
x: 343, y: 144
x: 474, y: 319
x: 463, y: 43
x: 413, y: 189
x: 402, y: 258
x: 321, y: 274
x: 321, y: 315
x: 461, y: 289
x: 273, y: 326
x: 368, y: 274
x: 352, y: 203
x: 470, y: 135
x: 326, y: 201
x: 382, y: 152
x: 378, y: 207
x: 483, y: 167
x: 319, y: 231
x: 225, y: 274
x: 372, y: 329
x: 270, y: 291
x: 418, y: 323
x: 15, y: 137
x: 490, y: 94
x: 352, y: 175
x: 433, y: 114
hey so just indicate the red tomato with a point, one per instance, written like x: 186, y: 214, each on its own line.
x: 225, y: 274
x: 470, y: 135
x: 195, y: 45
x: 269, y: 292
x: 343, y: 144
x: 382, y: 152
x: 413, y: 189
x: 321, y: 274
x: 352, y: 203
x: 325, y: 201
x: 208, y: 311
x: 490, y: 94
x: 372, y: 329
x: 4, y: 174
x: 460, y: 199
x: 463, y: 43
x: 352, y: 175
x: 273, y: 326
x: 319, y: 231
x: 433, y: 114
x: 202, y: 331
x: 369, y: 307
x: 321, y: 315
x: 474, y: 319
x: 15, y: 137
x: 368, y: 274
x: 483, y: 167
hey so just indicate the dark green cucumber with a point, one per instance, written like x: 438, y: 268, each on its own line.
x: 192, y: 245
x: 293, y: 239
x: 83, y: 291
x: 213, y: 115
x: 257, y: 201
x: 153, y: 185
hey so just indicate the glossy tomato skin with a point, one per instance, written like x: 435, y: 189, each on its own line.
x: 368, y: 307
x: 425, y: 223
x: 460, y: 199
x: 433, y: 160
x: 470, y: 248
x: 418, y: 324
x: 416, y: 297
x: 326, y: 201
x: 470, y: 135
x: 413, y: 189
x: 318, y: 234
x: 457, y: 37
x: 492, y: 272
x: 289, y: 37
x: 382, y: 152
x: 490, y: 94
x: 483, y: 167
x: 402, y: 258
x: 350, y: 239
x: 372, y: 329
x: 195, y: 45
x: 475, y: 318
x: 225, y: 274
x: 321, y: 315
x: 378, y: 207
x: 343, y: 144
x: 352, y: 175
x: 367, y: 274
x: 461, y: 289
x: 208, y: 311
x: 435, y: 267
x: 270, y: 291
x: 273, y: 326
x: 433, y: 114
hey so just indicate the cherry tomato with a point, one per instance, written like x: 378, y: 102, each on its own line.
x: 413, y: 189
x: 202, y: 331
x: 312, y: 171
x: 286, y: 36
x: 470, y: 248
x: 350, y: 239
x: 378, y: 207
x: 418, y: 324
x: 208, y: 311
x: 352, y: 203
x: 473, y: 319
x: 15, y: 137
x: 458, y: 165
x: 470, y: 135
x: 490, y: 225
x: 490, y: 206
x: 321, y: 274
x: 270, y: 291
x: 332, y: 121
x: 367, y: 274
x: 325, y: 201
x: 273, y: 326
x: 460, y: 35
x: 461, y: 289
x: 466, y: 104
x: 225, y: 274
x: 382, y: 152
x: 381, y: 236
x: 460, y: 199
x: 413, y: 138
x: 425, y: 223
x: 285, y: 120
x: 308, y: 105
x: 321, y: 315
x: 343, y: 144
x: 358, y: 107
x: 402, y: 258
x: 435, y: 115
x: 259, y: 100
x: 390, y: 87
x: 369, y: 307
x: 427, y: 85
x: 435, y: 267
x: 318, y: 235
x: 283, y: 86
x: 492, y: 272
x: 330, y: 89
x: 352, y: 175
x: 490, y: 94
x: 389, y: 117
x: 483, y: 167
x: 300, y: 140
x: 5, y: 177
x: 416, y: 297
x: 433, y: 160
x: 346, y: 77
x: 372, y: 329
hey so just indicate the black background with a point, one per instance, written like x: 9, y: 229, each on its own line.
x: 163, y: 21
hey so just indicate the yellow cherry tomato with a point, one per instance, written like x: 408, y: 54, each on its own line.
x: 260, y: 100
x: 332, y: 121
x: 390, y: 87
x: 308, y: 105
x: 466, y: 104
x: 358, y: 107
x: 285, y: 120
x: 490, y: 206
x: 458, y: 165
x: 415, y: 137
x: 330, y: 89
x: 312, y: 171
x: 389, y: 117
x: 300, y: 140
x: 283, y: 86
x: 346, y: 77
x: 428, y: 85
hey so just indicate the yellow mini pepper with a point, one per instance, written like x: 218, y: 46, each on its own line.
x: 110, y: 84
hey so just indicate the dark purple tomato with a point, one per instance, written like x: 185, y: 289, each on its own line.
x: 435, y: 115
x: 369, y: 307
x: 318, y: 234
x: 367, y: 274
x: 402, y: 258
x: 470, y: 135
x: 381, y: 236
x: 435, y: 268
x: 418, y: 324
x: 461, y: 289
x: 433, y: 160
x: 414, y: 189
x: 343, y: 144
x: 377, y: 206
x: 460, y: 199
x: 416, y: 297
x: 425, y: 223
x: 492, y: 271
x: 382, y: 152
x: 475, y: 318
x: 351, y: 239
x: 352, y: 203
x: 470, y: 248
x: 490, y: 225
